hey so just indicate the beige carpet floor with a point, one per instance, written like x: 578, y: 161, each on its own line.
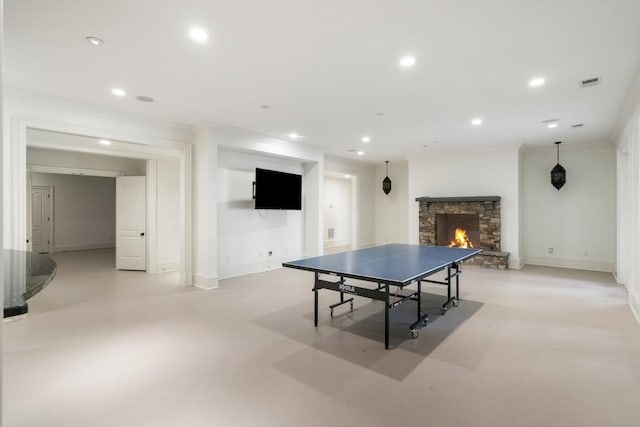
x: 534, y: 347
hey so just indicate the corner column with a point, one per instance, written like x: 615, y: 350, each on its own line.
x: 205, y: 206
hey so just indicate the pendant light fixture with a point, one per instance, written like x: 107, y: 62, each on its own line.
x: 386, y: 183
x: 558, y: 173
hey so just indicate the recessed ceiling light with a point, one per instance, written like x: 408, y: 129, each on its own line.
x: 94, y: 41
x: 198, y: 35
x: 347, y: 176
x: 407, y: 61
x: 105, y: 142
x: 294, y: 135
x: 549, y: 121
x: 538, y: 81
x: 145, y: 98
x: 476, y: 122
x: 552, y: 125
x: 366, y: 139
x: 118, y: 92
x: 360, y: 153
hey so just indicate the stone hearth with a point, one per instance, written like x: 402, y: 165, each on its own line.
x: 487, y: 210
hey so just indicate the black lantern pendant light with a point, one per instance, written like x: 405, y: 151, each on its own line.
x: 558, y: 173
x: 386, y: 183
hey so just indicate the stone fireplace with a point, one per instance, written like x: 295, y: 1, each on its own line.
x: 479, y: 217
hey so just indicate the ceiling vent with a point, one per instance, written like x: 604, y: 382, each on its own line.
x: 577, y: 125
x: 594, y: 81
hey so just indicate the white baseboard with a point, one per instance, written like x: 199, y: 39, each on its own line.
x: 634, y: 303
x: 515, y: 263
x: 336, y: 242
x: 606, y: 267
x: 83, y: 247
x: 167, y: 267
x: 205, y: 282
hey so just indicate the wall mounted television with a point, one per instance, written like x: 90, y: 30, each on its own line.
x: 277, y: 190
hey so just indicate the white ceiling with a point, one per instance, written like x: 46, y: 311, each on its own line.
x: 327, y: 67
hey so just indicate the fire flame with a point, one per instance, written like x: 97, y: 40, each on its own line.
x: 461, y: 240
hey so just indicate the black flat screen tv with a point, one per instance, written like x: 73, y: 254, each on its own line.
x: 278, y: 190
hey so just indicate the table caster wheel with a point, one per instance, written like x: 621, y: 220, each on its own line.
x: 424, y: 322
x: 455, y: 303
x: 351, y: 305
x: 414, y: 334
x: 443, y: 311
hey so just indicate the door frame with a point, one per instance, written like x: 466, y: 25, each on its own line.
x: 51, y: 215
x: 132, y: 143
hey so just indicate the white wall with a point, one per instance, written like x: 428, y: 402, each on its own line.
x: 364, y: 175
x: 489, y: 172
x: 579, y: 220
x: 84, y: 210
x: 337, y: 211
x: 392, y: 210
x: 246, y: 235
x: 628, y: 232
x: 168, y: 214
x: 69, y: 159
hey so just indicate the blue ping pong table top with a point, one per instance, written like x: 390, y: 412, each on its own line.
x: 392, y: 263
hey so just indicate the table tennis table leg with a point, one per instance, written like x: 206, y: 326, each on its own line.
x: 315, y: 310
x: 386, y: 316
x: 419, y: 299
x: 452, y: 301
x: 458, y: 283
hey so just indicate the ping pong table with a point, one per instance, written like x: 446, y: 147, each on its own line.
x: 386, y: 266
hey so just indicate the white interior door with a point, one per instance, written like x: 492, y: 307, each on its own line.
x: 131, y: 247
x: 41, y: 214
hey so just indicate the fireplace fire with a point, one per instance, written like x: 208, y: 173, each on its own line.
x: 461, y: 240
x: 455, y: 229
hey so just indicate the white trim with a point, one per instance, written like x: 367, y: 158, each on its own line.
x: 73, y: 248
x: 74, y: 171
x: 168, y: 267
x: 634, y: 303
x: 186, y: 225
x: 205, y: 282
x: 606, y: 267
x: 152, y: 215
x: 333, y: 243
x: 515, y: 263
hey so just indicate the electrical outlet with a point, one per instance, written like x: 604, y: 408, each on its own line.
x: 551, y: 250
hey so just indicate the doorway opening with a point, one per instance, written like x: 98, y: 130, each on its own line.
x: 340, y: 212
x: 160, y: 238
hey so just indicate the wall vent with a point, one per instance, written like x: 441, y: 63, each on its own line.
x: 331, y: 233
x: 594, y: 81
